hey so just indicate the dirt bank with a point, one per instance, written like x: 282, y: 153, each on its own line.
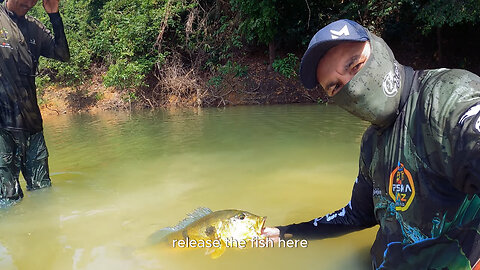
x: 258, y: 86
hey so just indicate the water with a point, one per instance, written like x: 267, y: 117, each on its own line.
x: 117, y: 178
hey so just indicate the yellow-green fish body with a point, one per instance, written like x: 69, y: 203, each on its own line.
x: 215, y: 230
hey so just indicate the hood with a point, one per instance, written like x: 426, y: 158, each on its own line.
x: 375, y: 93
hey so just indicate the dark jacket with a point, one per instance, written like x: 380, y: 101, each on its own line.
x: 22, y: 41
x: 419, y: 168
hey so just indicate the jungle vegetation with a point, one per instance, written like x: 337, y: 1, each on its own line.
x: 190, y: 51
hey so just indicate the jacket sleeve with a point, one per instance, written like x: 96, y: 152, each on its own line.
x: 453, y: 112
x: 466, y: 154
x: 56, y: 46
x: 356, y: 215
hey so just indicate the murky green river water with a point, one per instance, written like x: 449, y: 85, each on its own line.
x: 119, y: 177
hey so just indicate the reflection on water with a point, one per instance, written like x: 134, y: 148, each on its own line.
x: 117, y: 178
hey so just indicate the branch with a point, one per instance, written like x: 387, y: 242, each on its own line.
x: 163, y: 26
x: 309, y: 13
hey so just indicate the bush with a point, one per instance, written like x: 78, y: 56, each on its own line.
x: 287, y: 66
x: 124, y: 75
x: 132, y: 38
x: 125, y: 39
x: 78, y: 32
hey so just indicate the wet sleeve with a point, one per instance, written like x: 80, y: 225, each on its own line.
x: 358, y: 214
x: 466, y: 152
x: 56, y: 46
x: 449, y: 110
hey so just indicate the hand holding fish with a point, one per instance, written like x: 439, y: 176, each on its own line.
x: 272, y: 233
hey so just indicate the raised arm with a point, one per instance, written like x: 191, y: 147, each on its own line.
x: 55, y: 46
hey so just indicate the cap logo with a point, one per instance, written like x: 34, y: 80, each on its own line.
x: 337, y: 34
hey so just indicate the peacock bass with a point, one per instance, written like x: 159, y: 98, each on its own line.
x: 214, y: 231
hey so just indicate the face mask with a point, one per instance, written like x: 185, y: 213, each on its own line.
x: 374, y: 92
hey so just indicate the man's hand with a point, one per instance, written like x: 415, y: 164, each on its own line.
x: 51, y: 6
x: 272, y: 233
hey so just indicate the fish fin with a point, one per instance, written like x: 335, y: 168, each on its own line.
x: 216, y: 252
x: 160, y: 235
x: 192, y: 217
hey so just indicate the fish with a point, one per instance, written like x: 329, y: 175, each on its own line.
x: 214, y: 231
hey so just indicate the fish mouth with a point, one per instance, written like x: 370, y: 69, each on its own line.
x: 262, y: 225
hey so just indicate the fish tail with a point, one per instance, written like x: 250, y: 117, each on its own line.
x: 160, y: 235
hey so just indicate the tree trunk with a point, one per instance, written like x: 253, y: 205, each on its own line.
x: 271, y: 55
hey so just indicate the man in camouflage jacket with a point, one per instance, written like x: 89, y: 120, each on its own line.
x: 419, y: 167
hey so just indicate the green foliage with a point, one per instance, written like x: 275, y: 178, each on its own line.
x: 287, y: 66
x: 128, y: 29
x: 124, y: 74
x: 99, y: 96
x: 214, y: 50
x: 131, y: 39
x: 215, y: 81
x: 78, y: 32
x: 41, y: 82
x: 129, y: 96
x: 260, y: 19
x: 427, y: 14
x: 436, y: 13
x: 372, y: 13
x: 231, y: 69
x: 119, y: 34
x: 125, y: 39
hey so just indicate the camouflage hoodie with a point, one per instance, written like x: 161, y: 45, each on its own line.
x: 419, y: 165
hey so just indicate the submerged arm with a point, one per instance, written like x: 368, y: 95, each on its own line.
x: 356, y: 215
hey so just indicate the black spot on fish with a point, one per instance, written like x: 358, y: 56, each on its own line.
x: 210, y: 230
x: 184, y: 234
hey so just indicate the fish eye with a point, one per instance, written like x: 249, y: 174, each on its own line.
x: 241, y: 216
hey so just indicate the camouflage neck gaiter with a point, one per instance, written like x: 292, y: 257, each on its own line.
x: 374, y: 92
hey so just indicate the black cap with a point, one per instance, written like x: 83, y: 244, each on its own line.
x: 325, y: 39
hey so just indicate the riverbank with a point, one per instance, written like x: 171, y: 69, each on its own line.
x: 92, y: 96
x: 247, y: 80
x: 215, y: 53
x: 258, y: 85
